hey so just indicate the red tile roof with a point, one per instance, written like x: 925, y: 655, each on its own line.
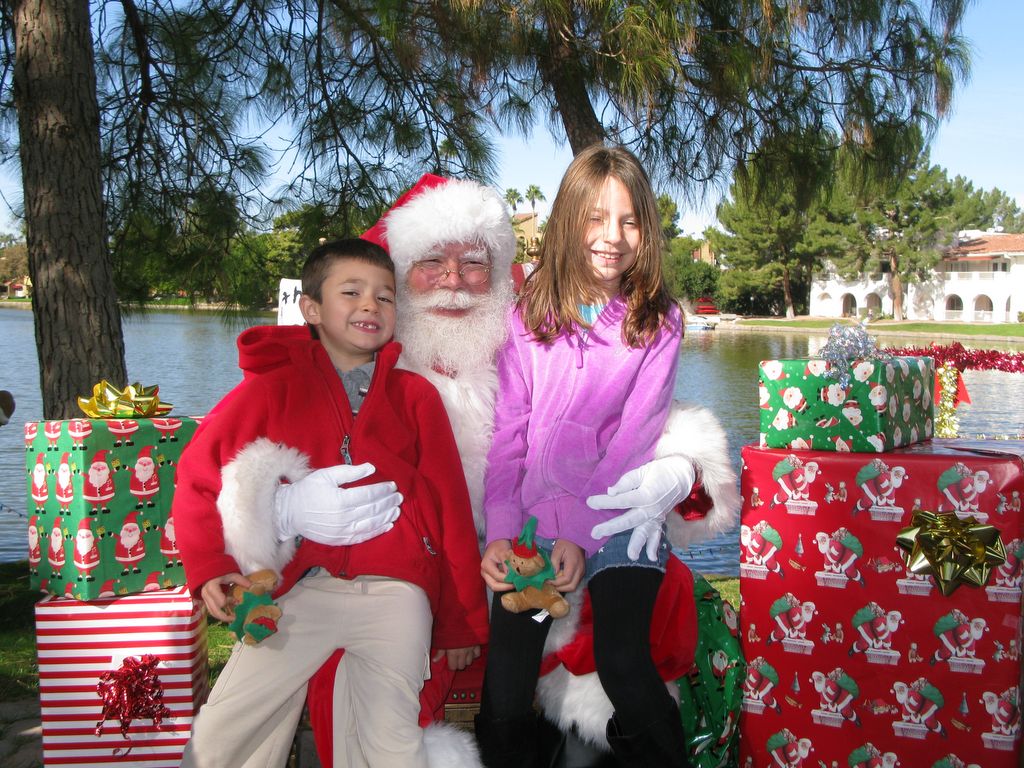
x: 988, y: 244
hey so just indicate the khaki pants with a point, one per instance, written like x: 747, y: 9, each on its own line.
x: 384, y: 626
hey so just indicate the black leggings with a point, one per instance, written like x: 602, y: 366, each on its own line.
x: 622, y: 599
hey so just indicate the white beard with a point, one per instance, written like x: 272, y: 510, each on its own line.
x: 39, y: 476
x: 83, y: 544
x: 453, y: 344
x: 56, y: 542
x: 99, y: 475
x: 144, y: 470
x: 64, y: 475
x: 129, y: 537
x: 33, y: 538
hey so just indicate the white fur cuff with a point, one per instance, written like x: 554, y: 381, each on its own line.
x: 694, y: 433
x: 249, y: 483
x: 448, y: 746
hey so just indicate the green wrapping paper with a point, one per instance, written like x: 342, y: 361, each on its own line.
x: 710, y: 697
x: 884, y: 404
x: 99, y: 501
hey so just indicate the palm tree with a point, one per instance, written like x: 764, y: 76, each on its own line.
x: 513, y: 198
x: 533, y: 194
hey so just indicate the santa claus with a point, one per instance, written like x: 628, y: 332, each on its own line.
x: 35, y: 555
x: 98, y: 484
x: 131, y: 546
x: 168, y: 543
x: 87, y: 555
x: 64, y: 491
x: 145, y: 482
x: 55, y: 555
x: 450, y: 332
x: 38, y: 489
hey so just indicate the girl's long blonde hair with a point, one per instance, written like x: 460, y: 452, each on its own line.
x: 565, y: 277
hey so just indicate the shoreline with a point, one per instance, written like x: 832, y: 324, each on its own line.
x: 874, y: 330
x: 731, y: 326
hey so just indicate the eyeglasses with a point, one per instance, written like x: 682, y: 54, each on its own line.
x: 471, y: 273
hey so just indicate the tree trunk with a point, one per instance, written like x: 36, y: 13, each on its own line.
x: 787, y: 292
x: 77, y: 320
x: 896, y: 286
x: 562, y: 73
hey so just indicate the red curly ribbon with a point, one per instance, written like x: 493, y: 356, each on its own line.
x: 133, y: 691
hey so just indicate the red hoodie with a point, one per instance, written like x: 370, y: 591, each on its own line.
x: 292, y: 395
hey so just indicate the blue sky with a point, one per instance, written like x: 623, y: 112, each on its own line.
x: 980, y: 140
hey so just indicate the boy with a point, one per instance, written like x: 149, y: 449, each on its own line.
x: 377, y: 599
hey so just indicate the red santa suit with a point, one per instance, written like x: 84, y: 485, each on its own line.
x: 122, y: 430
x: 145, y: 482
x: 64, y: 491
x: 52, y: 430
x: 131, y: 546
x: 98, y: 482
x: 79, y: 430
x: 167, y: 427
x: 31, y: 430
x: 87, y: 554
x: 39, y: 490
x: 168, y: 543
x: 55, y: 556
x: 35, y: 555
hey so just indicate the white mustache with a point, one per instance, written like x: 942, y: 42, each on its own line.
x: 445, y: 298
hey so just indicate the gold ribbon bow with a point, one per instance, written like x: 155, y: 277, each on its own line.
x: 951, y: 550
x: 135, y: 400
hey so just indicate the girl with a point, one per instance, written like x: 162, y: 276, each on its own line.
x: 586, y: 381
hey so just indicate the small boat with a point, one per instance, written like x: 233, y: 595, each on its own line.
x: 699, y: 324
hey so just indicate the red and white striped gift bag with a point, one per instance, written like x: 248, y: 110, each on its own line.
x: 79, y: 640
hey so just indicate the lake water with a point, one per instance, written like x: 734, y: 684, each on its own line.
x: 192, y: 356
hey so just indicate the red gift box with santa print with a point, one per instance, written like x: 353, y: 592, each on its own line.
x: 80, y: 642
x: 99, y: 501
x: 853, y: 659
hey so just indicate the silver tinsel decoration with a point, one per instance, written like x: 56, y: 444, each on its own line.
x: 845, y: 344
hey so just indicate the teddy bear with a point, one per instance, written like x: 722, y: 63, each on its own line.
x: 530, y: 571
x: 256, y: 613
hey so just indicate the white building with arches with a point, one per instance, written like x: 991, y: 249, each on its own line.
x: 981, y: 279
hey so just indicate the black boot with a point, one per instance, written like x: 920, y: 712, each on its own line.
x: 662, y: 744
x: 507, y: 742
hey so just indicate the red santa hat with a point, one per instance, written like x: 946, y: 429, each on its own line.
x: 33, y: 522
x: 438, y: 210
x: 146, y: 452
x: 131, y: 519
x: 69, y: 591
x: 39, y: 461
x: 66, y: 458
x: 152, y: 582
x: 100, y: 457
x: 108, y: 587
x: 56, y: 527
x: 85, y: 524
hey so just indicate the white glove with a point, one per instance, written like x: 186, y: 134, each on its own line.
x: 648, y: 494
x: 317, y: 508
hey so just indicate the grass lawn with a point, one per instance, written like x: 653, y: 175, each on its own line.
x: 1008, y: 330
x: 19, y: 676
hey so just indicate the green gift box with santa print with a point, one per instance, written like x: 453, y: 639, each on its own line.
x: 99, y: 505
x: 872, y: 407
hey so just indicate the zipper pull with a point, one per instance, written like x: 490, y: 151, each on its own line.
x: 426, y: 543
x: 344, y: 450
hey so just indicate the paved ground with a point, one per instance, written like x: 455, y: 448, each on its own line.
x: 21, y: 735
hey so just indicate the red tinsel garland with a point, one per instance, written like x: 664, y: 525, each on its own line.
x: 133, y: 691
x: 966, y: 359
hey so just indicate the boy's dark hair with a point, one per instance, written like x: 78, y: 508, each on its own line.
x: 323, y: 257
